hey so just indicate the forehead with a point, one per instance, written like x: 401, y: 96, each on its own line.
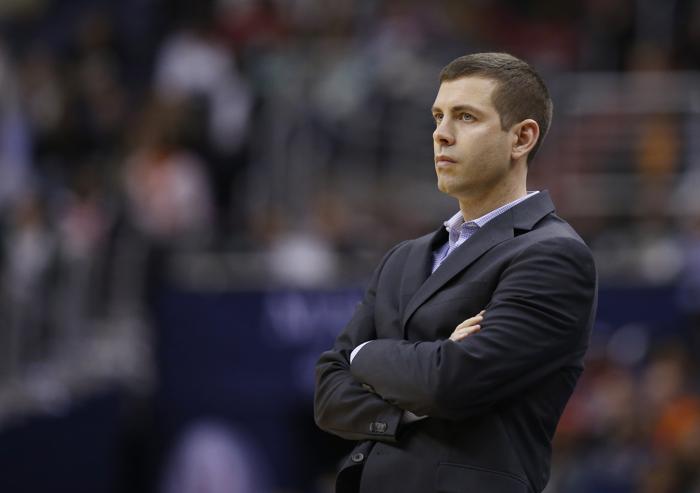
x: 474, y: 91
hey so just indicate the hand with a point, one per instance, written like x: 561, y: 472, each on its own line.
x: 468, y: 327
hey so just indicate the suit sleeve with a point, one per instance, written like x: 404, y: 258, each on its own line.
x: 343, y: 405
x: 537, y: 322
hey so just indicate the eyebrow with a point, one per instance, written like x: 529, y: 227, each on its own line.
x: 460, y: 107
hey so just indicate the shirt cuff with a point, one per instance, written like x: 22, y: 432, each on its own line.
x: 357, y: 350
x: 409, y: 417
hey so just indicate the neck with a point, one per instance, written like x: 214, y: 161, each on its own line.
x: 476, y: 205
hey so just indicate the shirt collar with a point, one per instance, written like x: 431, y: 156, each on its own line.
x: 456, y: 222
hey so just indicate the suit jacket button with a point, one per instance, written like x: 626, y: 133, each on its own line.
x: 377, y: 427
x: 358, y: 457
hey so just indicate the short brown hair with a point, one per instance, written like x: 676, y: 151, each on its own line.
x: 521, y: 93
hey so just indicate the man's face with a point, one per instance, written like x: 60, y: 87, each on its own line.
x: 472, y: 152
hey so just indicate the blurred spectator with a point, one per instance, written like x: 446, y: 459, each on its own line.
x: 83, y: 225
x: 29, y: 248
x: 195, y: 68
x: 194, y: 64
x: 168, y: 202
x: 251, y: 24
x: 15, y: 141
x: 168, y: 195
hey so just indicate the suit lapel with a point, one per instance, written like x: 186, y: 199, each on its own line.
x: 419, y: 264
x: 523, y: 217
x: 493, y: 233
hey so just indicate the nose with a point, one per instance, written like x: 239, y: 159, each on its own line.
x: 442, y: 134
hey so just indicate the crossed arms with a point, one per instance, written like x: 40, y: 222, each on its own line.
x: 535, y: 324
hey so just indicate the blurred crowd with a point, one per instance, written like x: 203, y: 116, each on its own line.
x: 631, y: 426
x: 266, y: 143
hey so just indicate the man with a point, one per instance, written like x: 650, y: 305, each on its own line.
x: 443, y: 404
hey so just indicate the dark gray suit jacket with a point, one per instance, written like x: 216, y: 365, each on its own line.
x: 494, y: 398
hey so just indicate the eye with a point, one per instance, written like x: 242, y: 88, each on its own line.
x: 437, y: 117
x: 466, y: 117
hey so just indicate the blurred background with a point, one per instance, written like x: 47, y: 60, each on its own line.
x: 193, y: 195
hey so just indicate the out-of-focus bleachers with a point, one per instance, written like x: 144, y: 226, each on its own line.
x: 192, y: 195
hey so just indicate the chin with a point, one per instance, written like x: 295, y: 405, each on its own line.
x: 451, y: 191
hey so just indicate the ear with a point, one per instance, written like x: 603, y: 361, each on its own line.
x: 525, y: 135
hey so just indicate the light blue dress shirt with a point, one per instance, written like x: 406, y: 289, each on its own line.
x: 460, y: 231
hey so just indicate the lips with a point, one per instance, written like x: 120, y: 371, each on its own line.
x: 442, y: 160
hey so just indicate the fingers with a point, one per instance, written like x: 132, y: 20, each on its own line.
x: 461, y: 333
x: 472, y: 320
x: 468, y: 327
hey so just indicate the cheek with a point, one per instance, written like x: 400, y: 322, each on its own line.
x: 495, y: 147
